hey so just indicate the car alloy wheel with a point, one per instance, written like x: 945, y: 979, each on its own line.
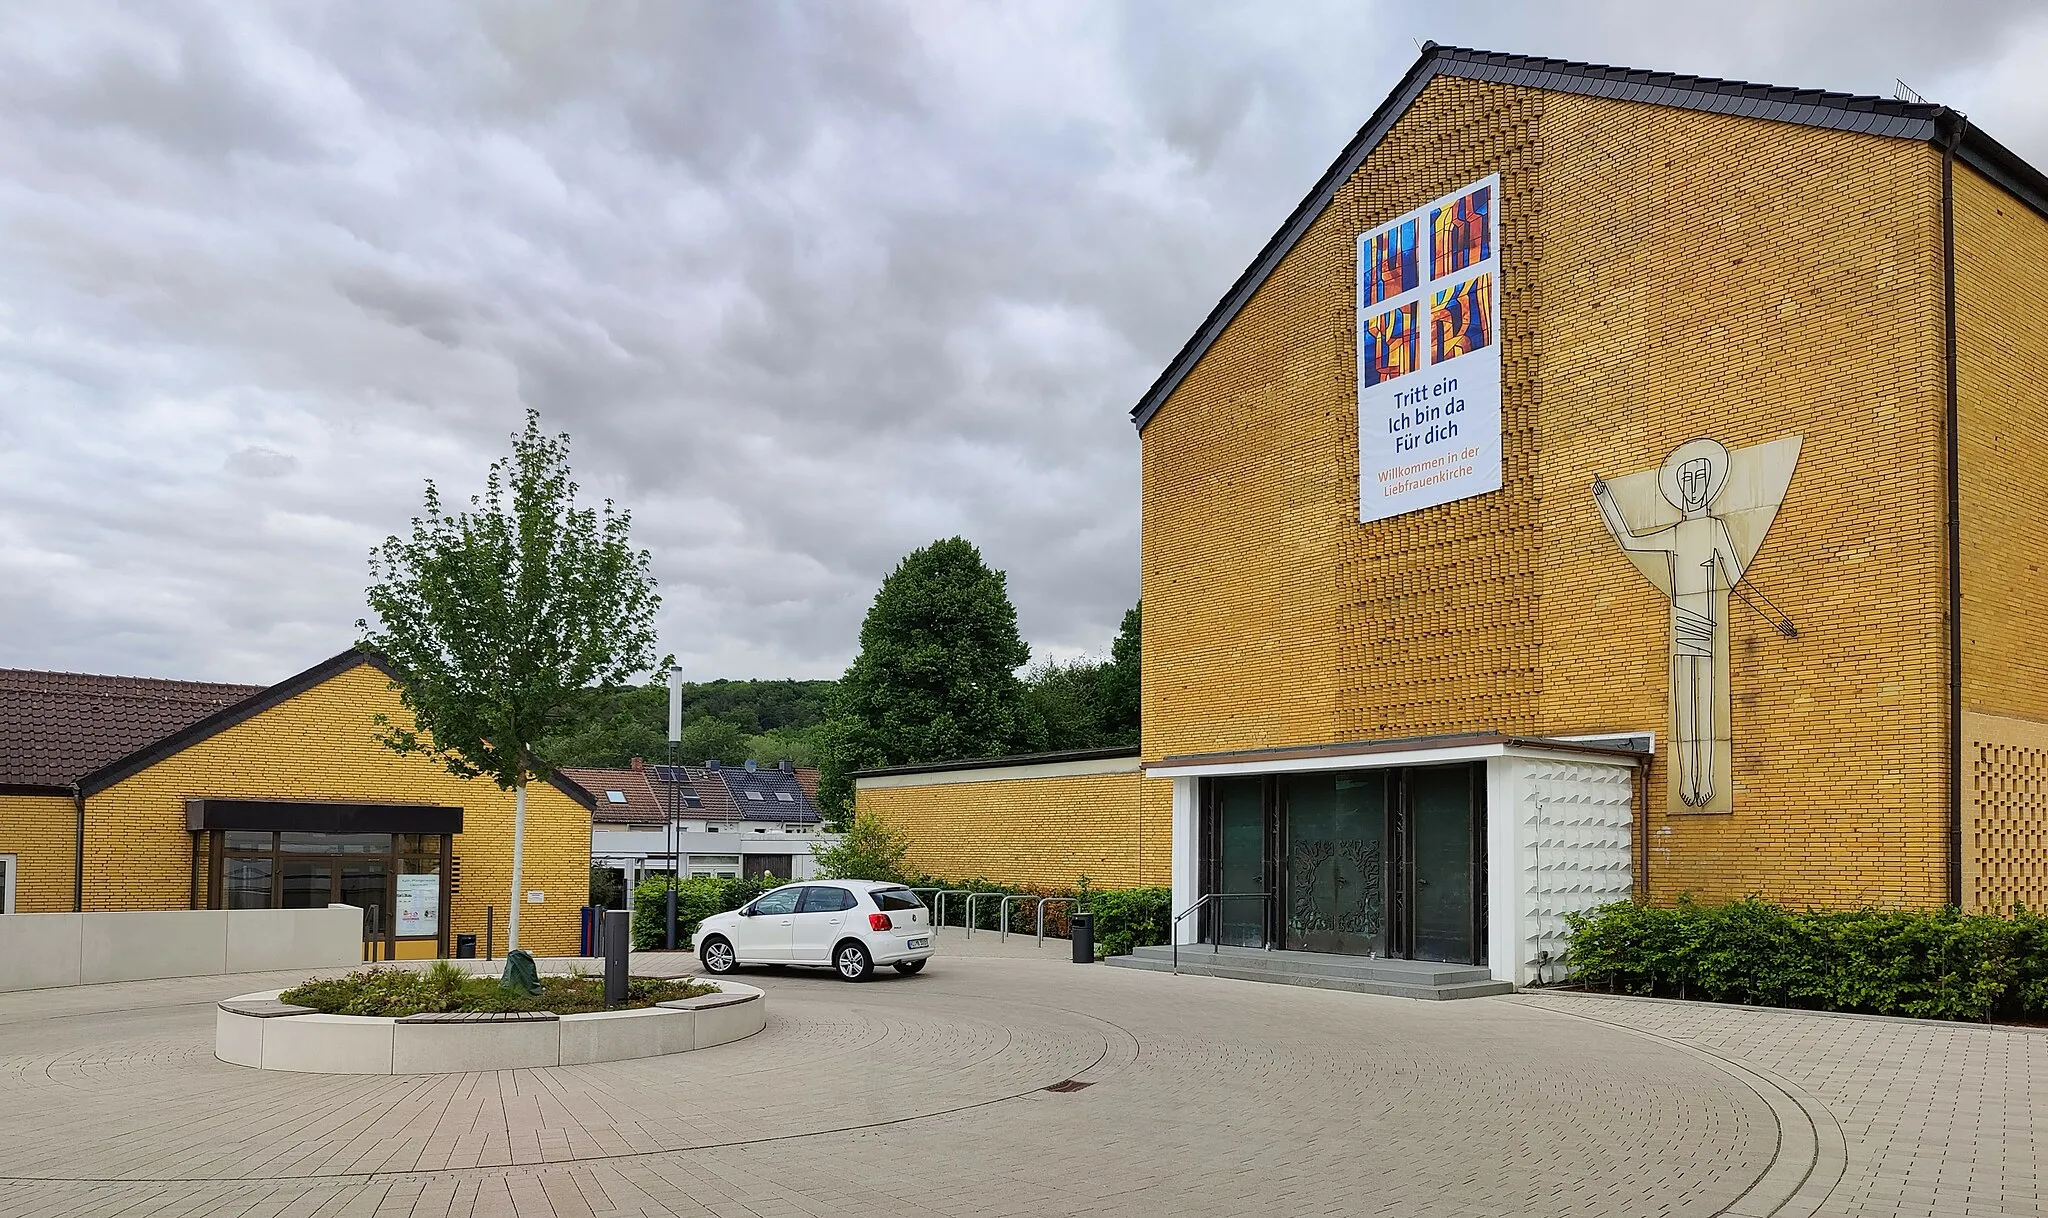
x: 718, y: 957
x: 852, y: 962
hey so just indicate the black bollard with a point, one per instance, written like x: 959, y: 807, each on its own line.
x: 671, y: 917
x: 616, y: 941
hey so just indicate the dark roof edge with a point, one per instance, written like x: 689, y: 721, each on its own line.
x: 33, y: 788
x: 991, y: 763
x: 1398, y: 744
x: 1805, y: 107
x: 254, y: 705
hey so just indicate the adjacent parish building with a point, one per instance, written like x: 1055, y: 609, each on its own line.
x: 1606, y: 482
x: 127, y: 793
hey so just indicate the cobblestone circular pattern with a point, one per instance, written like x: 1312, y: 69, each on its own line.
x: 923, y: 1094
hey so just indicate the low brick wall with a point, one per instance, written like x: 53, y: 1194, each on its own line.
x: 1034, y: 824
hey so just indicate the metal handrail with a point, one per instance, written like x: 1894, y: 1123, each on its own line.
x: 939, y: 914
x: 1174, y: 932
x: 1042, y: 902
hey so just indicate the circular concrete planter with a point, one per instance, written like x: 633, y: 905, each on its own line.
x: 257, y: 1030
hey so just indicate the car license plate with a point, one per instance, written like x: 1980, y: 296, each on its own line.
x: 916, y: 943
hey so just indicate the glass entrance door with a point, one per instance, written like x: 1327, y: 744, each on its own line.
x: 1240, y: 862
x: 1443, y: 838
x: 1335, y: 897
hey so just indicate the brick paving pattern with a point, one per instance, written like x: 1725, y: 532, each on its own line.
x: 926, y: 1095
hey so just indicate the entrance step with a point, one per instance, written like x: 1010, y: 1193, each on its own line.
x: 1357, y: 974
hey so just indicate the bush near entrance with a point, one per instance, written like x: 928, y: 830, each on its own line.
x: 1940, y: 964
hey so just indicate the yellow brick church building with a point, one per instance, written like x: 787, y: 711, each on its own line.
x: 1606, y: 482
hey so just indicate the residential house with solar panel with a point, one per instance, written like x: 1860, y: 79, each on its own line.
x: 712, y: 819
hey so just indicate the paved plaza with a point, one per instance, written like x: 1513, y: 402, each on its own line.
x: 928, y: 1096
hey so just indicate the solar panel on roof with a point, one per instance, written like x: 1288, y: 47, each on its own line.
x: 670, y: 773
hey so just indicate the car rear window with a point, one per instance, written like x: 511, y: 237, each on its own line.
x: 895, y: 898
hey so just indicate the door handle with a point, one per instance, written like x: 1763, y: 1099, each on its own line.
x: 786, y: 921
x: 837, y: 921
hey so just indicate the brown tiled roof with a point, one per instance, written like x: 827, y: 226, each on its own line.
x: 808, y: 780
x: 712, y: 790
x: 642, y: 806
x: 60, y: 726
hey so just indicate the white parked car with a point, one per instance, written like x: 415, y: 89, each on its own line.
x: 849, y: 926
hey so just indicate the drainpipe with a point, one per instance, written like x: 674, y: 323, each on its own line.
x: 1643, y: 797
x: 78, y: 860
x: 1951, y: 125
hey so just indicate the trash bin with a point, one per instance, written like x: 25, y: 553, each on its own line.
x: 1083, y: 934
x: 465, y: 947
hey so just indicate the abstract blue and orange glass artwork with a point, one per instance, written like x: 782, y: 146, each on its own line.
x: 1389, y: 266
x: 1461, y: 319
x: 1388, y: 342
x: 1461, y: 234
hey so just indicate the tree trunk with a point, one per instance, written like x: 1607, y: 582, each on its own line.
x: 518, y: 859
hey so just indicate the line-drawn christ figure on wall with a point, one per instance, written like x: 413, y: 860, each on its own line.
x: 1692, y: 527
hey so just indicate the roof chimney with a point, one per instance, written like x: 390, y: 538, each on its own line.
x: 785, y: 766
x: 639, y: 763
x: 711, y: 763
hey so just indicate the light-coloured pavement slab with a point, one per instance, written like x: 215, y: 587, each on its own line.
x: 926, y: 1095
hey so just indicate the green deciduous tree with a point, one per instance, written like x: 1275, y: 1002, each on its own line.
x: 1118, y: 682
x: 497, y: 616
x: 869, y: 850
x: 936, y: 676
x: 710, y: 738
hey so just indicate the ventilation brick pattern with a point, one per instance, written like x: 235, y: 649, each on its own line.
x: 1576, y: 823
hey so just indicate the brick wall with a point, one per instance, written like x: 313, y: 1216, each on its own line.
x: 1666, y: 275
x: 2002, y: 440
x: 321, y: 745
x: 41, y: 831
x: 1047, y: 832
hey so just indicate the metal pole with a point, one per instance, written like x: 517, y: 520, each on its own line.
x: 614, y: 956
x: 675, y: 735
x: 490, y: 930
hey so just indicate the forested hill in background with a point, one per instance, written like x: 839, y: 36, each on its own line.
x: 1080, y: 704
x: 732, y: 721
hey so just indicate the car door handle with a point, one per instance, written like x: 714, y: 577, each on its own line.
x: 786, y: 921
x: 838, y: 921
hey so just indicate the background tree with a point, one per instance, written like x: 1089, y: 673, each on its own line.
x: 936, y: 676
x: 609, y: 725
x: 869, y: 850
x: 497, y: 617
x: 1118, y: 684
x: 710, y: 738
x: 1063, y: 705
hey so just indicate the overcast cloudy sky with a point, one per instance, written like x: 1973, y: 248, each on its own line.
x: 809, y: 285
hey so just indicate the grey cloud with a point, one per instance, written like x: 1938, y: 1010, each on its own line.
x: 809, y: 285
x: 260, y: 461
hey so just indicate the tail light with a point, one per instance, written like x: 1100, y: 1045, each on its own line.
x: 879, y: 922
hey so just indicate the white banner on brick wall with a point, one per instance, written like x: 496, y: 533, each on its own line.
x: 1429, y: 355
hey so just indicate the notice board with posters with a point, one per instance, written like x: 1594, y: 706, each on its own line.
x: 1429, y: 355
x: 419, y: 905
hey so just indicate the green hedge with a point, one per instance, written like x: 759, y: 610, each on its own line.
x: 697, y: 898
x: 1124, y: 917
x: 1941, y: 964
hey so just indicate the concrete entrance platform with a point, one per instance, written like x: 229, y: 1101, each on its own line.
x: 1320, y: 970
